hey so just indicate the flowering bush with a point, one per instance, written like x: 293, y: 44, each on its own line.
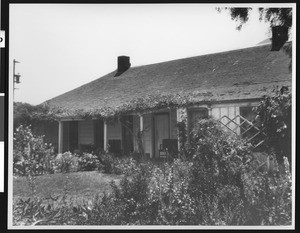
x: 126, y: 166
x: 111, y: 164
x: 88, y: 162
x: 66, y: 162
x: 31, y: 155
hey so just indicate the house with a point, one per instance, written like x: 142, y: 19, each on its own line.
x: 110, y: 111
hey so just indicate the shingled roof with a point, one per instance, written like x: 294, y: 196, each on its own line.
x: 234, y: 75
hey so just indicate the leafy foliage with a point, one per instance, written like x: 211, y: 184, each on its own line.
x: 240, y: 15
x: 65, y: 163
x: 141, y: 105
x: 275, y: 16
x: 275, y: 118
x: 31, y: 156
x: 34, y: 157
x: 161, y: 196
x: 219, y: 160
x: 111, y: 164
x: 218, y: 184
x: 27, y: 114
x: 88, y: 162
x: 281, y: 17
x: 268, y: 195
x: 50, y: 211
x: 182, y: 133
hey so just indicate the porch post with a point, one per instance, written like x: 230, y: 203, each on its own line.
x: 105, y: 135
x: 60, y: 137
x: 182, y: 116
x: 140, y: 137
x: 141, y: 123
x: 209, y: 111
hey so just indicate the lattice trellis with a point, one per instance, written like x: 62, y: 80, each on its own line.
x: 244, y: 129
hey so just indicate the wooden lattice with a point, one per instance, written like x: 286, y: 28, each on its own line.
x: 247, y: 129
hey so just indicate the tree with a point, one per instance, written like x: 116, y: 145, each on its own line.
x: 280, y: 20
x: 27, y: 114
x: 22, y: 114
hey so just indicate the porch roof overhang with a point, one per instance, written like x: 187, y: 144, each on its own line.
x: 146, y: 106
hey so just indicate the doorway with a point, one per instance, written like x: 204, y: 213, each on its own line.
x: 161, y: 130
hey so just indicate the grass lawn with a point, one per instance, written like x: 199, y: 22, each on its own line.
x: 78, y: 185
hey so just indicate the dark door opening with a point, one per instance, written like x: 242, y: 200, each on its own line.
x: 99, y: 134
x: 161, y: 131
x: 73, y: 135
x: 127, y: 134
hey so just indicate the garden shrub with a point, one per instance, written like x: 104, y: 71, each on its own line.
x: 104, y: 211
x: 219, y: 158
x: 218, y: 184
x: 41, y: 211
x: 106, y: 162
x: 28, y: 211
x: 268, y: 195
x: 111, y: 164
x: 170, y: 189
x: 30, y: 154
x: 147, y: 197
x: 131, y: 196
x: 275, y: 119
x: 88, y: 162
x: 227, y: 186
x: 126, y: 165
x: 162, y: 196
x: 136, y: 156
x: 66, y: 162
x: 29, y: 115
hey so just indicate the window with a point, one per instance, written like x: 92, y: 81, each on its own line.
x: 195, y: 115
x: 246, y: 122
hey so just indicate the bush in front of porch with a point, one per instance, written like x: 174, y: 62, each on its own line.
x: 217, y: 185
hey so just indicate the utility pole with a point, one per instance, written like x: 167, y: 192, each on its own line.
x: 16, y: 77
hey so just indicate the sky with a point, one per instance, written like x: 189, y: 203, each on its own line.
x: 63, y: 46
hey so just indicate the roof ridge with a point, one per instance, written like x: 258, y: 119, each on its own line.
x: 207, y: 54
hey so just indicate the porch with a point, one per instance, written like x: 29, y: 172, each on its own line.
x: 158, y: 129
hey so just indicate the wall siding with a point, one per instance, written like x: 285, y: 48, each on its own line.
x: 215, y: 113
x: 86, y: 132
x: 231, y: 111
x: 114, y: 131
x: 224, y: 112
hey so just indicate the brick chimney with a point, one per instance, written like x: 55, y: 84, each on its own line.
x: 279, y: 37
x: 123, y: 65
